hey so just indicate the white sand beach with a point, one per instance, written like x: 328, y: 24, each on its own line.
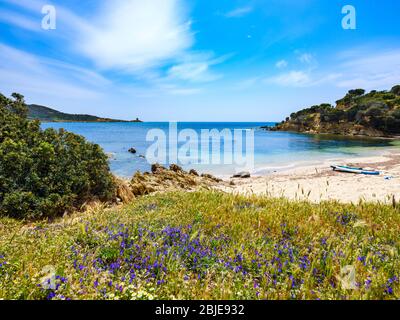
x: 319, y: 182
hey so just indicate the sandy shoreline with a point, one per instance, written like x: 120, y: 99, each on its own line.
x: 319, y: 182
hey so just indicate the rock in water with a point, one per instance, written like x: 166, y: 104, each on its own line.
x: 132, y: 150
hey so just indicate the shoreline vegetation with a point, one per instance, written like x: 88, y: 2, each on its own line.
x: 373, y: 114
x: 172, y: 234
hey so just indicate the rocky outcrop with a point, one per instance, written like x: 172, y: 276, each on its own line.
x: 375, y: 114
x: 342, y: 128
x: 242, y: 175
x: 123, y: 192
x: 194, y: 172
x: 173, y: 179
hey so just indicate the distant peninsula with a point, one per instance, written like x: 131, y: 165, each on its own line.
x: 46, y: 114
x: 373, y: 114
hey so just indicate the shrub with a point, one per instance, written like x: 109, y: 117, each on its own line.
x: 374, y: 111
x: 396, y: 90
x: 44, y: 173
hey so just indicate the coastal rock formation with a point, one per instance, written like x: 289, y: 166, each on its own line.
x: 194, y: 172
x: 123, y: 192
x: 210, y: 177
x: 376, y: 114
x: 132, y: 150
x: 242, y: 175
x: 175, y: 178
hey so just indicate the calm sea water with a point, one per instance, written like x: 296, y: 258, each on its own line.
x: 273, y: 151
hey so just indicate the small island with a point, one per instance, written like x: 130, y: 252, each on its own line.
x: 137, y: 120
x: 373, y: 114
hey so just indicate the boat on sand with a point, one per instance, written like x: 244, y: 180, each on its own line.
x: 355, y: 170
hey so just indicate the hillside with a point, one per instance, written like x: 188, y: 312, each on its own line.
x: 375, y: 114
x: 43, y: 113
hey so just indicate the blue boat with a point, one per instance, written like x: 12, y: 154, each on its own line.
x: 355, y: 170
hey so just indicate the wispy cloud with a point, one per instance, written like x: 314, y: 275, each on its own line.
x: 306, y: 58
x: 27, y: 73
x: 374, y: 71
x: 136, y: 35
x: 126, y: 35
x: 291, y: 79
x: 281, y: 64
x: 150, y: 40
x: 197, y: 68
x: 71, y: 24
x: 378, y: 70
x: 239, y: 12
x: 20, y: 21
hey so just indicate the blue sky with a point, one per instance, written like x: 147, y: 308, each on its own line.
x: 199, y: 60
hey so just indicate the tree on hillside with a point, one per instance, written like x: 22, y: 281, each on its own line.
x: 357, y: 92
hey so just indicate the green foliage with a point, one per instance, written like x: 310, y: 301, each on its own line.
x: 322, y: 108
x: 357, y: 92
x: 45, y: 173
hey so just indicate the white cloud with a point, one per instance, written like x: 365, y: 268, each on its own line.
x: 379, y: 70
x: 69, y: 25
x: 239, y: 12
x: 132, y: 36
x: 291, y: 79
x: 197, y: 71
x: 183, y: 91
x: 136, y: 34
x: 127, y: 35
x: 30, y: 74
x: 196, y: 68
x: 247, y: 83
x: 306, y: 58
x: 281, y: 64
x: 20, y: 21
x: 374, y: 71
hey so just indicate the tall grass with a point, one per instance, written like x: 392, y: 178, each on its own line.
x: 206, y: 245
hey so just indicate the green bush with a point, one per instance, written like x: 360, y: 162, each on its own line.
x: 44, y: 173
x: 396, y: 90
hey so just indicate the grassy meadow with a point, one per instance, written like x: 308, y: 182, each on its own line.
x: 205, y: 245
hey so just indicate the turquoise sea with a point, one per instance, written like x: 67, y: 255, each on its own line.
x: 273, y: 151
